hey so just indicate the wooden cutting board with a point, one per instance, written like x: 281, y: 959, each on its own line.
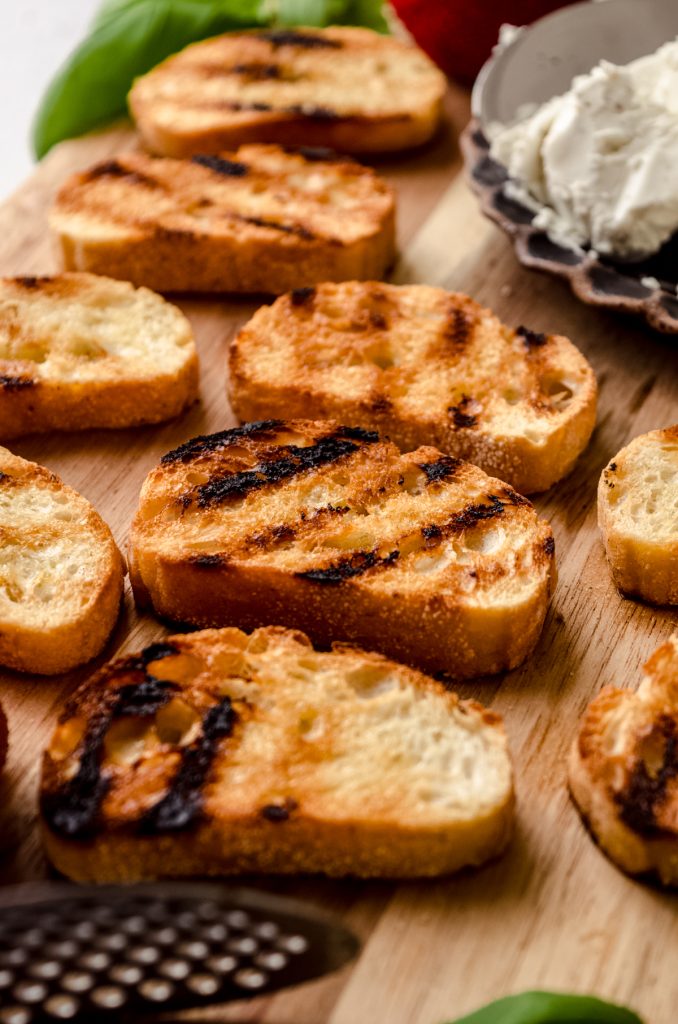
x: 553, y: 912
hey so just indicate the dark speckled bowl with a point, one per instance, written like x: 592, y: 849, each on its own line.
x: 594, y: 279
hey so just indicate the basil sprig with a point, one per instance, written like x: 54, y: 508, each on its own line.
x: 550, y: 1008
x: 129, y: 37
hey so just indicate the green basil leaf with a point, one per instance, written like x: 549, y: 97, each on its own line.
x: 550, y: 1008
x: 129, y: 37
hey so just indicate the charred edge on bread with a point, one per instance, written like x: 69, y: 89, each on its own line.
x: 31, y: 282
x: 316, y: 154
x: 288, y: 229
x: 114, y: 169
x: 359, y: 434
x: 302, y: 296
x: 313, y: 113
x: 458, y: 327
x: 218, y: 164
x: 206, y: 443
x: 644, y: 793
x: 532, y: 339
x: 181, y: 806
x: 207, y: 561
x: 258, y: 71
x: 441, y: 469
x: 72, y: 810
x: 514, y: 498
x: 279, y: 812
x: 347, y: 568
x: 156, y: 652
x: 460, y: 415
x: 612, y: 467
x: 549, y: 546
x: 307, y: 40
x: 16, y: 383
x: 291, y: 462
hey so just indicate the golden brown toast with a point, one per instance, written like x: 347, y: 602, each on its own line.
x: 217, y: 752
x: 638, y: 516
x: 61, y: 576
x: 423, y: 366
x: 624, y: 770
x: 347, y: 88
x: 327, y: 529
x: 79, y: 351
x: 261, y: 219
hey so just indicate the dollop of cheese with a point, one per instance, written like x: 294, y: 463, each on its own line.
x: 603, y: 157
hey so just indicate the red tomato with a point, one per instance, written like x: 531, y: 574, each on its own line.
x: 459, y: 36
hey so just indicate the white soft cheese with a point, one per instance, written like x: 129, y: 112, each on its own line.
x: 603, y: 157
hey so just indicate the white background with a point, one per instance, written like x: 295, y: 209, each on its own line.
x: 35, y: 38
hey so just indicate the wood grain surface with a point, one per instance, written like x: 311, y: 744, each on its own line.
x: 553, y: 912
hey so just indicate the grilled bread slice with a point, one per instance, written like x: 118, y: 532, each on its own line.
x: 424, y: 366
x: 61, y: 573
x: 261, y: 219
x: 624, y: 770
x: 638, y: 516
x: 79, y: 351
x: 328, y: 529
x: 347, y: 88
x: 217, y: 752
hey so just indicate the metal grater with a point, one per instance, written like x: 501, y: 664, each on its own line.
x: 86, y: 954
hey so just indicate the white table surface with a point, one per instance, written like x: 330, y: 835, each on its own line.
x: 35, y: 38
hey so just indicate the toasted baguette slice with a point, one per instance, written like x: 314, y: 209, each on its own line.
x: 79, y: 351
x: 327, y: 529
x: 61, y: 575
x: 424, y: 366
x: 348, y: 88
x: 218, y: 752
x: 624, y: 770
x: 638, y: 516
x: 261, y: 219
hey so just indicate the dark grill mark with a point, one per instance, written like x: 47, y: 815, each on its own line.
x: 458, y: 327
x: 460, y: 415
x: 514, y: 498
x: 549, y: 546
x: 432, y: 532
x: 157, y: 651
x: 214, y: 442
x: 359, y: 434
x: 15, y: 383
x: 440, y: 470
x: 474, y: 514
x: 181, y: 806
x: 613, y: 467
x: 258, y: 72
x: 114, y: 169
x: 291, y: 463
x: 532, y: 339
x: 289, y: 229
x: 316, y: 153
x: 347, y: 568
x: 302, y: 296
x: 227, y: 168
x: 642, y: 798
x: 381, y: 405
x: 306, y: 40
x: 378, y: 321
x: 72, y: 810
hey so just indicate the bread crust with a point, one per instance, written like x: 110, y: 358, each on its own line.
x: 637, y: 492
x: 69, y: 636
x: 298, y: 90
x: 36, y: 396
x: 193, y: 226
x: 472, y: 616
x: 421, y: 366
x: 623, y: 770
x: 314, y: 830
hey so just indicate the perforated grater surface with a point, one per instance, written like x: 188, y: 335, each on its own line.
x: 125, y: 952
